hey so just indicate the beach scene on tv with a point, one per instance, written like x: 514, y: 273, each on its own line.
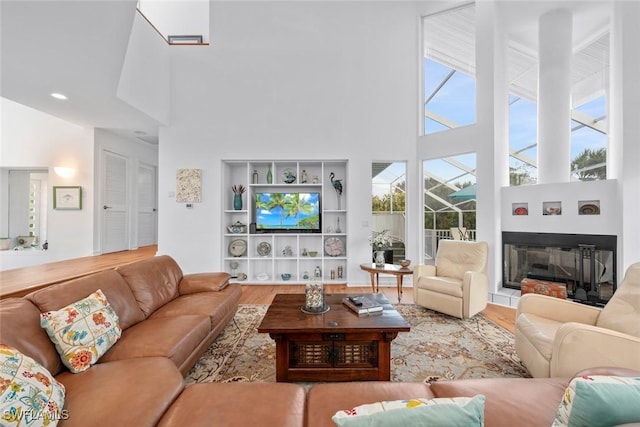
x: 288, y: 211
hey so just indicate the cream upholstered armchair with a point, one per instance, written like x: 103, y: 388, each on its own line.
x: 457, y: 284
x: 557, y: 338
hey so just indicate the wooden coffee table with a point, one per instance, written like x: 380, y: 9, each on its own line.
x: 338, y: 345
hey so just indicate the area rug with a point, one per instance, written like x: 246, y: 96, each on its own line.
x: 438, y: 347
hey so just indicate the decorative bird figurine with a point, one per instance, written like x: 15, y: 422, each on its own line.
x: 337, y: 185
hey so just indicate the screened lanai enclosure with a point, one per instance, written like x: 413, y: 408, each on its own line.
x: 388, y: 189
x: 449, y: 201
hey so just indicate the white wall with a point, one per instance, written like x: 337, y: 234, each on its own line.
x: 290, y: 80
x: 146, y: 75
x: 320, y: 80
x: 34, y: 139
x: 329, y: 80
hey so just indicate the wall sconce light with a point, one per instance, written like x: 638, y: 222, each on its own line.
x: 64, y: 172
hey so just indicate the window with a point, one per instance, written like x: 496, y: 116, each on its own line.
x: 523, y: 141
x: 449, y: 201
x: 588, y: 116
x: 388, y: 190
x: 589, y: 124
x: 589, y: 141
x: 449, y: 69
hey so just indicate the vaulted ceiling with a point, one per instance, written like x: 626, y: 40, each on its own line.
x: 78, y: 48
x: 73, y: 47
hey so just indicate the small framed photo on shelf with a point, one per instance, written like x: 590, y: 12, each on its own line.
x: 67, y: 198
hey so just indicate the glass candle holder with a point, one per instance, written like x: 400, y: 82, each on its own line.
x: 314, y: 297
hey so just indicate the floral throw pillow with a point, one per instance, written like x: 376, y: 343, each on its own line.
x: 441, y: 412
x: 83, y: 331
x: 29, y: 395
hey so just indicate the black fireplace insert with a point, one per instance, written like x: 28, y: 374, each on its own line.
x: 585, y: 263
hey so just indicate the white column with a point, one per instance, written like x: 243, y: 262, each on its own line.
x: 554, y: 96
x: 492, y: 112
x: 623, y: 156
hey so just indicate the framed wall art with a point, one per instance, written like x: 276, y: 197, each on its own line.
x: 67, y: 198
x: 188, y: 186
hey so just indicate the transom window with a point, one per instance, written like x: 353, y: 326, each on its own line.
x: 449, y: 69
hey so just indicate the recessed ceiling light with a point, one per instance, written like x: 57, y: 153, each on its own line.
x: 59, y: 96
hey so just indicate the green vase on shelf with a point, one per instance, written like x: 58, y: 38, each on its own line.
x: 237, y: 202
x: 269, y: 176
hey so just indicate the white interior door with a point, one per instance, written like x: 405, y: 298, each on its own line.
x: 115, y: 224
x: 147, y: 212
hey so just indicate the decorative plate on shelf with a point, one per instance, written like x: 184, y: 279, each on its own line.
x: 553, y: 210
x: 237, y: 247
x: 289, y: 176
x: 589, y: 209
x: 521, y: 211
x: 264, y: 248
x: 334, y: 246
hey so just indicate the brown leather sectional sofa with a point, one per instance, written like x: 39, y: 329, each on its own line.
x: 169, y: 320
x: 526, y: 402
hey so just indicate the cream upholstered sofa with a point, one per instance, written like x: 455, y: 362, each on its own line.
x: 557, y: 338
x: 457, y: 284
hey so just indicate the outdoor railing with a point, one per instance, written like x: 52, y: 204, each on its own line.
x: 432, y: 237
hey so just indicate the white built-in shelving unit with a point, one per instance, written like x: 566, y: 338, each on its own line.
x: 268, y: 268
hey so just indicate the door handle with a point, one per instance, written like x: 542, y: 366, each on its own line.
x: 105, y: 207
x: 154, y: 209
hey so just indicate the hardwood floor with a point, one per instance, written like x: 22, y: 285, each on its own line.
x: 21, y: 281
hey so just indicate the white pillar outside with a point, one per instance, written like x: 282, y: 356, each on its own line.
x: 554, y: 96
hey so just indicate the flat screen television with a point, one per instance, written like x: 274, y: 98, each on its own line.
x: 297, y: 212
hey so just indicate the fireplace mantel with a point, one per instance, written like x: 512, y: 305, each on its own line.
x: 570, y: 196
